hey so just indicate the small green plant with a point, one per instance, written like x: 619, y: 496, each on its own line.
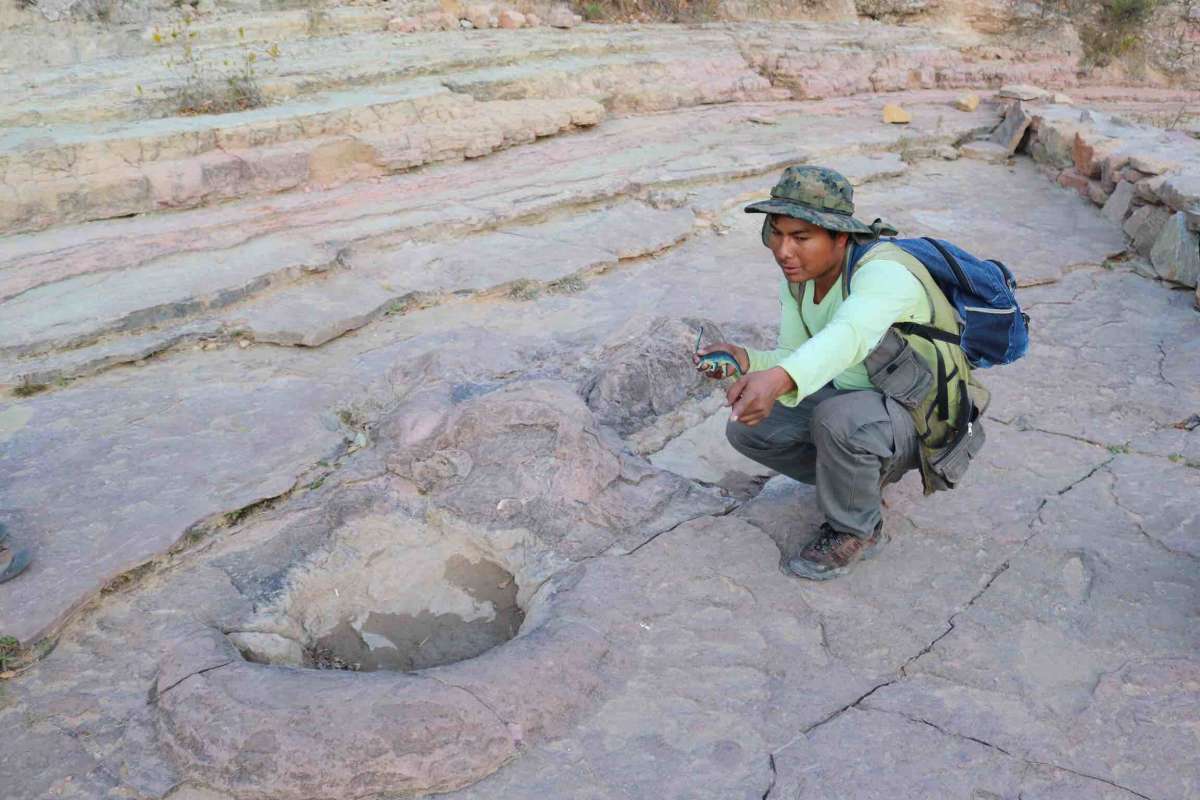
x: 1119, y: 449
x: 30, y: 388
x: 524, y: 289
x: 206, y: 87
x: 1176, y: 458
x: 1110, y: 29
x: 651, y: 10
x: 568, y: 285
x: 10, y: 651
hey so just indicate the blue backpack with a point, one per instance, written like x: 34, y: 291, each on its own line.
x: 995, y: 330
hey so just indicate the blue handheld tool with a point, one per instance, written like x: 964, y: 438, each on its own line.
x: 721, y: 361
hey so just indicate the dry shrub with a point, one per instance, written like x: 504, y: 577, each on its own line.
x: 651, y: 10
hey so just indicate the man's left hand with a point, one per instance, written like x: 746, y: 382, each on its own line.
x: 755, y: 393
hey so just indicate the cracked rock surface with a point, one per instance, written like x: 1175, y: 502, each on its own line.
x: 482, y: 369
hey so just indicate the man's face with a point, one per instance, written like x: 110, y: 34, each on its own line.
x: 802, y: 250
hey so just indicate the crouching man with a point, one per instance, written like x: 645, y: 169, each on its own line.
x: 809, y: 409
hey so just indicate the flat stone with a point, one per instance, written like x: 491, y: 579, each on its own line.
x: 1070, y: 179
x: 1176, y: 252
x: 1010, y: 132
x: 1132, y: 175
x: 1116, y: 208
x: 895, y: 115
x: 1062, y: 99
x: 1054, y: 143
x: 1182, y: 193
x: 511, y: 19
x: 1144, y: 226
x: 1152, y: 165
x: 967, y: 102
x: 1097, y: 193
x: 1148, y: 189
x: 1022, y: 91
x: 988, y: 152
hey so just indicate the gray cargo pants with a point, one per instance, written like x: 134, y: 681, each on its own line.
x: 846, y: 443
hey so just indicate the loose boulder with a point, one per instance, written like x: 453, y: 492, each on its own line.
x: 968, y: 102
x: 1176, y: 253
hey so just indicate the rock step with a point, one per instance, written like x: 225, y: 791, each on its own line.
x: 83, y: 172
x: 304, y: 268
x: 183, y: 168
x: 146, y: 86
x: 879, y: 58
x: 626, y: 83
x: 794, y: 56
x: 70, y: 42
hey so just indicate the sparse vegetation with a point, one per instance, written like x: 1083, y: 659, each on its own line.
x: 524, y: 289
x: 351, y: 419
x: 1175, y: 39
x: 567, y: 285
x: 10, y: 651
x: 650, y: 10
x: 324, y: 658
x: 206, y: 86
x: 1113, y: 28
x: 30, y: 388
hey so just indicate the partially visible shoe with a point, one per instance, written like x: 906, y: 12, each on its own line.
x: 834, y: 553
x: 12, y: 563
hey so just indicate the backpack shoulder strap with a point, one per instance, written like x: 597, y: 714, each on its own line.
x: 797, y: 292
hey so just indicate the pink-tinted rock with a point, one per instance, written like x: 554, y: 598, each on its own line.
x: 510, y: 19
x: 404, y: 25
x: 561, y: 17
x: 479, y: 16
x: 1071, y: 179
x: 1089, y: 153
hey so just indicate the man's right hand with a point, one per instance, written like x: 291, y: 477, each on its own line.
x: 718, y: 372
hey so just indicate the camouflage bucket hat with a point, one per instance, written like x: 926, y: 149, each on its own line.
x: 815, y: 194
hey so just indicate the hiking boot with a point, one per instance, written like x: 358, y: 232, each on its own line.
x: 834, y: 553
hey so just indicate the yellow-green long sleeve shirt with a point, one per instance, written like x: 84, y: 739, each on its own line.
x: 843, y: 331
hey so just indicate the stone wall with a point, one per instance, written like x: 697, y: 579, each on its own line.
x: 1146, y: 180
